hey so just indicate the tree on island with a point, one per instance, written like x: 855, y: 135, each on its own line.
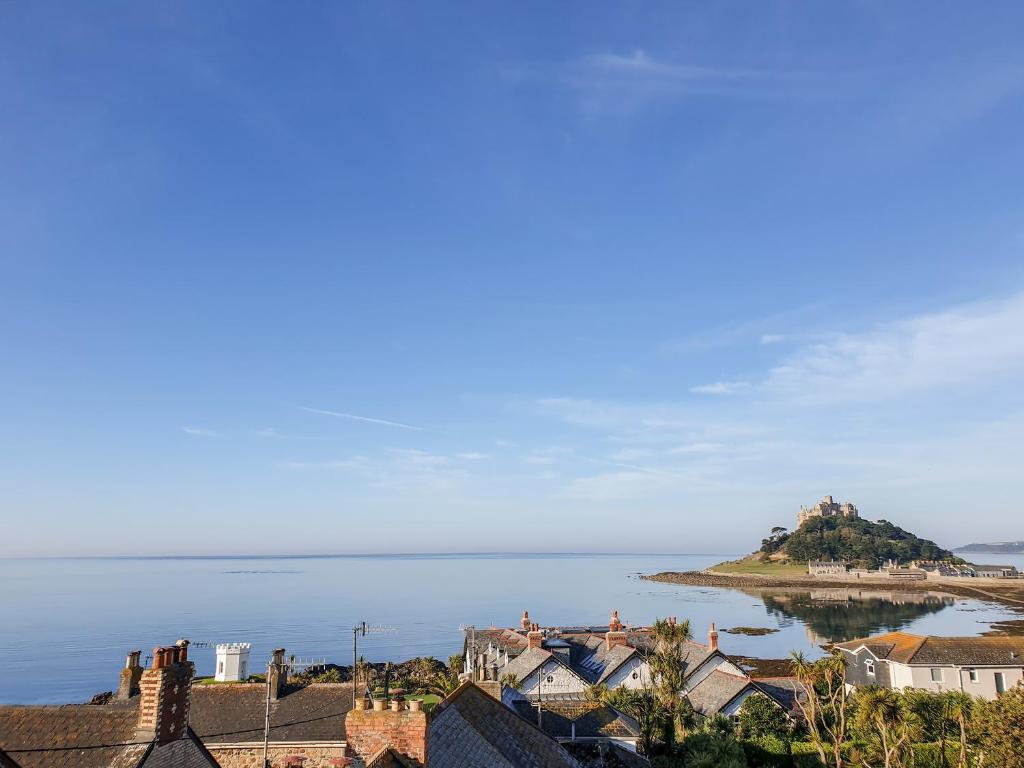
x: 852, y: 539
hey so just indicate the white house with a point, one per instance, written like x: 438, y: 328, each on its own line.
x: 980, y: 666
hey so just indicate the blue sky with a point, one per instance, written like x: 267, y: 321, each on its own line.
x: 363, y: 277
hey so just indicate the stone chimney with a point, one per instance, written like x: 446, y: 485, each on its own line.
x: 712, y: 638
x: 277, y: 674
x: 534, y: 638
x: 525, y: 621
x: 165, y: 690
x: 128, y: 685
x: 368, y: 731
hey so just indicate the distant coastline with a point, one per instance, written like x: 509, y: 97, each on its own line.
x: 995, y: 548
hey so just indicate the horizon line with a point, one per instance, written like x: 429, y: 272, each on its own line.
x: 329, y: 555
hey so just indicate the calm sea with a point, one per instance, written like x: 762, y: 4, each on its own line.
x: 67, y: 623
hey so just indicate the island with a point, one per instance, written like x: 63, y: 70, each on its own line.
x: 834, y: 546
x: 996, y: 548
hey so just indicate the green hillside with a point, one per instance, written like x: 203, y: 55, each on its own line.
x: 856, y: 540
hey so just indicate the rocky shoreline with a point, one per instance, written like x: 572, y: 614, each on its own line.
x: 1010, y: 595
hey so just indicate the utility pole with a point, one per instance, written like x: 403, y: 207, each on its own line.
x: 266, y: 721
x: 356, y: 630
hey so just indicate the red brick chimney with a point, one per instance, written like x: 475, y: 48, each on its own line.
x: 614, y: 625
x: 165, y: 690
x: 128, y: 685
x: 525, y: 621
x: 368, y: 731
x: 712, y: 638
x: 534, y: 638
x: 615, y: 635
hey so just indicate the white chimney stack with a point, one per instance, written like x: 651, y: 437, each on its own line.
x: 232, y: 662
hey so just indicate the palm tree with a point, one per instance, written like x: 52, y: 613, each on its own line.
x: 668, y: 669
x: 883, y: 714
x: 824, y: 703
x: 959, y: 707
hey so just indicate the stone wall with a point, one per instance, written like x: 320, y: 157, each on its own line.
x: 252, y: 756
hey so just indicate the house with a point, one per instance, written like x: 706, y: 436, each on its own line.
x: 152, y: 733
x: 472, y: 729
x: 827, y: 567
x: 576, y: 720
x: 563, y: 662
x: 980, y: 666
x: 224, y: 722
x: 722, y: 693
x: 996, y: 571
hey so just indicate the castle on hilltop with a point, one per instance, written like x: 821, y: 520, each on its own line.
x: 826, y: 508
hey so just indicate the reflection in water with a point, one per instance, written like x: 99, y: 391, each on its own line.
x: 836, y: 615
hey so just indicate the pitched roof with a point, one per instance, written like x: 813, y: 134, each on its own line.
x: 470, y: 729
x: 716, y: 690
x: 7, y: 762
x: 905, y: 648
x: 71, y: 736
x: 615, y: 657
x: 591, y: 719
x: 95, y: 736
x: 234, y: 713
x: 605, y: 755
x: 186, y: 752
x: 895, y: 646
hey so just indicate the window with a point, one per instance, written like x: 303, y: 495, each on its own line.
x: 241, y: 671
x: 936, y: 674
x: 1000, y: 683
x: 220, y: 667
x: 551, y: 678
x: 973, y: 675
x: 636, y: 675
x: 869, y: 667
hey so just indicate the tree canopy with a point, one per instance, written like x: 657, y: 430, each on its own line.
x: 853, y: 539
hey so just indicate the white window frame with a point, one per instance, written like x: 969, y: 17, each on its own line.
x: 972, y: 675
x: 869, y: 667
x: 932, y: 671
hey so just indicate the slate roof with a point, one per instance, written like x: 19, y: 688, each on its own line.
x: 232, y: 713
x: 591, y: 718
x: 605, y: 755
x: 905, y: 648
x: 7, y: 762
x: 470, y: 729
x: 526, y: 663
x: 187, y: 752
x: 97, y: 736
x: 786, y: 691
x: 615, y: 658
x: 71, y: 736
x: 716, y: 690
x: 588, y: 653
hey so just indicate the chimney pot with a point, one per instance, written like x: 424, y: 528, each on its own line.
x: 525, y: 621
x: 378, y: 705
x: 396, y: 705
x: 713, y: 638
x: 415, y: 705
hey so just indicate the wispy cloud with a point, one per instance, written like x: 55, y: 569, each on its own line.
x: 200, y: 432
x: 721, y: 388
x: 772, y: 338
x: 471, y: 456
x: 365, y: 419
x: 972, y: 344
x: 617, y: 82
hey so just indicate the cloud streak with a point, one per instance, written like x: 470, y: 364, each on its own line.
x: 200, y: 432
x: 364, y: 419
